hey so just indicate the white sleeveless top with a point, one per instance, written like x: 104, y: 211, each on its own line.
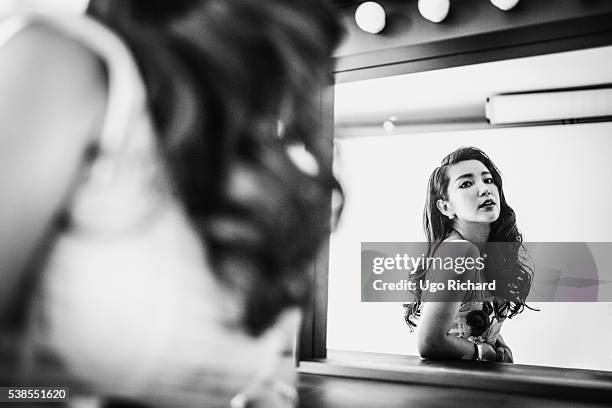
x: 127, y: 299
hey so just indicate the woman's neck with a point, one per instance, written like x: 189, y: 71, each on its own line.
x: 475, y: 232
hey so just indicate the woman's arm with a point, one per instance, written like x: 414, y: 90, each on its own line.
x: 434, y: 342
x: 53, y: 97
x: 440, y: 311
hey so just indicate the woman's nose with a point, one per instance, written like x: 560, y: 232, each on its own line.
x: 485, y: 190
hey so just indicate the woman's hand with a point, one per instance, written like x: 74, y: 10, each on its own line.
x: 268, y: 395
x: 504, y: 354
x: 499, y: 353
x: 270, y: 400
x: 488, y: 352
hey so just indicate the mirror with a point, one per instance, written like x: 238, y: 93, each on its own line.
x: 391, y: 132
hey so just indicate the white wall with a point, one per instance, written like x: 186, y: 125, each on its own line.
x: 557, y: 178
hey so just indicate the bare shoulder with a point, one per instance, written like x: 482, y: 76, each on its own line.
x: 458, y: 248
x: 52, y: 105
x: 454, y: 260
x: 49, y: 46
x: 51, y: 74
x: 53, y: 101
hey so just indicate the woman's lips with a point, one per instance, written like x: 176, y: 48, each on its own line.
x: 487, y: 204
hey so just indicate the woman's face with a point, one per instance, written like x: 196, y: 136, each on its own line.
x: 472, y: 193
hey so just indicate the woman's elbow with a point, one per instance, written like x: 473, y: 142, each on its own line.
x: 426, y: 352
x: 429, y: 348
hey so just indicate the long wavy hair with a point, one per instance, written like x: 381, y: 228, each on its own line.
x: 232, y: 85
x: 506, y: 256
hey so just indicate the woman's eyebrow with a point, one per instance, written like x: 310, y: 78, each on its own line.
x: 470, y: 175
x: 466, y: 175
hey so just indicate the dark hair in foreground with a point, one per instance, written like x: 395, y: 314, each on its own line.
x: 506, y: 257
x: 220, y: 75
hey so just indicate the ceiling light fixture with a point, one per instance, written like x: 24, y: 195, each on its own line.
x: 549, y: 106
x: 370, y: 17
x: 504, y: 4
x: 434, y: 10
x: 389, y: 126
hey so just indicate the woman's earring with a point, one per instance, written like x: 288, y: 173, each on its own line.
x: 450, y: 217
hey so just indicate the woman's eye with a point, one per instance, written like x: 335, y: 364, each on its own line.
x: 489, y: 180
x: 465, y: 184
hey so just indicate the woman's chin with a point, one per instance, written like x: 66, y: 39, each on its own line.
x: 490, y: 218
x: 487, y: 218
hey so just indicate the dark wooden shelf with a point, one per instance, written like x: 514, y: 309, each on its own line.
x: 566, y: 384
x: 319, y: 391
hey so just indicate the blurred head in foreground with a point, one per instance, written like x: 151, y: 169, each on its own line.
x: 233, y: 87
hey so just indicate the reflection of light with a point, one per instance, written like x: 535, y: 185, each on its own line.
x: 388, y: 126
x: 280, y: 128
x: 303, y: 159
x: 504, y: 4
x: 434, y: 10
x: 370, y: 17
x: 393, y: 118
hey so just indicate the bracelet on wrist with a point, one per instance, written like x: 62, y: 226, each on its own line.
x: 478, y: 348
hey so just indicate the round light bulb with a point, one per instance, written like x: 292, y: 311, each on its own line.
x: 434, y: 10
x: 370, y: 17
x: 504, y: 4
x: 389, y: 126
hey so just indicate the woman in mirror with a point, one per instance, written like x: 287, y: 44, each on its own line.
x: 466, y: 216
